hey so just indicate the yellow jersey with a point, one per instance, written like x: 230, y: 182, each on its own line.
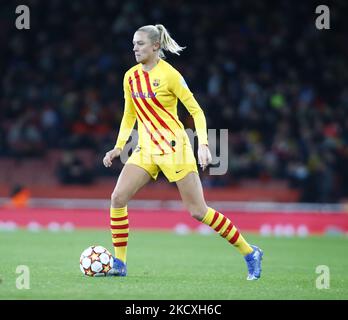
x: 151, y: 99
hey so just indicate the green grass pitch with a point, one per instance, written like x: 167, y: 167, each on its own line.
x: 163, y: 265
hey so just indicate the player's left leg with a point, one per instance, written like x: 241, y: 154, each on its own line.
x: 191, y: 192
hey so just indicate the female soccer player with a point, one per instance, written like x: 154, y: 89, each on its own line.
x: 151, y: 91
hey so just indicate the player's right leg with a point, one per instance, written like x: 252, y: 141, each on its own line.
x: 132, y: 178
x: 130, y: 181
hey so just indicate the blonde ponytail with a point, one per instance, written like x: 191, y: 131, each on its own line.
x: 159, y: 33
x: 167, y: 42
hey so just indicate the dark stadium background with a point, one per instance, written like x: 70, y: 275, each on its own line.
x: 258, y: 68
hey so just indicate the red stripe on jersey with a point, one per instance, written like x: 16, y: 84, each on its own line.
x: 234, y: 238
x: 149, y: 107
x: 148, y: 119
x: 147, y: 129
x: 151, y: 135
x: 123, y: 226
x: 120, y: 244
x: 217, y: 229
x: 120, y: 219
x: 120, y: 235
x: 154, y: 99
x: 216, y: 215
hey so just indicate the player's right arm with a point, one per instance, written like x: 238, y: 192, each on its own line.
x: 127, y: 124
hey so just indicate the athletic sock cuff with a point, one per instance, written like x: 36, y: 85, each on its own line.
x: 118, y: 211
x: 209, y: 216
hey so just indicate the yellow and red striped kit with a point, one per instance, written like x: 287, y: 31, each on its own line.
x: 151, y: 100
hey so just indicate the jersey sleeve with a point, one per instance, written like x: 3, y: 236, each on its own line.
x: 178, y: 86
x: 129, y: 116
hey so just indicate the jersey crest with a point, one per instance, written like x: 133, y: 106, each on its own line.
x: 156, y: 82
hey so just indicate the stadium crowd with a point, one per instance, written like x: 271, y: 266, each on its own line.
x: 265, y: 73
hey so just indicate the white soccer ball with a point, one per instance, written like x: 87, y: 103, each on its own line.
x: 96, y: 261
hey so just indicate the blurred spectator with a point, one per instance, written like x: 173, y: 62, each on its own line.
x: 50, y: 125
x: 72, y: 170
x: 19, y: 197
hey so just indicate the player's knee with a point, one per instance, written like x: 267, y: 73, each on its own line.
x: 197, y: 212
x: 118, y: 200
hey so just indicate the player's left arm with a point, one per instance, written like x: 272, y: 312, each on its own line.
x: 179, y: 87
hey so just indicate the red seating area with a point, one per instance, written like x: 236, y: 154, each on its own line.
x: 37, y: 171
x: 39, y: 176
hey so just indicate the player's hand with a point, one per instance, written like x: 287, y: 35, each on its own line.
x: 204, y: 156
x: 111, y: 155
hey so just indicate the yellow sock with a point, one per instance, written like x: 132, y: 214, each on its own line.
x: 227, y: 230
x: 119, y: 230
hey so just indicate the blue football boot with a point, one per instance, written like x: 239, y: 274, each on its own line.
x: 119, y: 268
x: 253, y: 261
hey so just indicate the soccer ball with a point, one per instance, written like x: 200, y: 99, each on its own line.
x: 96, y: 261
